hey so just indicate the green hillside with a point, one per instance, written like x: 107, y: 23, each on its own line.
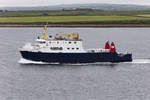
x: 75, y: 19
x: 86, y: 16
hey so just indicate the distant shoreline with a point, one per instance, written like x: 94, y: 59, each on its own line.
x: 76, y: 25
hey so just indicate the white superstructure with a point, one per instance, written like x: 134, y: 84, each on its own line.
x: 58, y: 46
x: 61, y: 43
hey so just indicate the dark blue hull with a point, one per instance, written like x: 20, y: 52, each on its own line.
x: 76, y: 57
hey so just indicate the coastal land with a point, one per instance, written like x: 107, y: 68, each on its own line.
x: 75, y: 18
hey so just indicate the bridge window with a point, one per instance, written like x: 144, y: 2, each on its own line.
x: 72, y: 48
x: 69, y: 42
x: 77, y: 48
x: 68, y: 48
x: 42, y: 42
x: 75, y: 42
x: 56, y: 48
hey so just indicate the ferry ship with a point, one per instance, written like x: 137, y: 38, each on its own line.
x: 67, y: 48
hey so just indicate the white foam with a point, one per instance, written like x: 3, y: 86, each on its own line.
x: 141, y: 61
x: 25, y: 61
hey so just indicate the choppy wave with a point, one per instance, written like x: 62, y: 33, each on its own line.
x: 135, y: 61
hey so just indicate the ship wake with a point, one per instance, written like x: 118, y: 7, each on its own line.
x: 141, y: 61
x: 25, y: 61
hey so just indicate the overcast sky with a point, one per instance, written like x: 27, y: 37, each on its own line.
x: 57, y: 2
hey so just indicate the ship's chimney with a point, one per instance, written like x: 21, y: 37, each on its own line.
x: 107, y: 46
x: 112, y: 48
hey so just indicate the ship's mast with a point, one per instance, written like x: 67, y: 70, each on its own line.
x: 44, y: 36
